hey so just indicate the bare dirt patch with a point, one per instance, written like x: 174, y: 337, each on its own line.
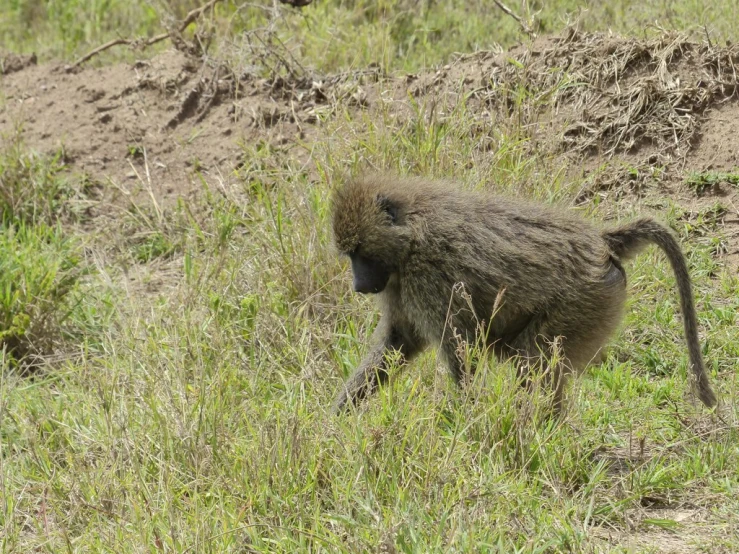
x: 11, y: 63
x: 153, y: 127
x: 666, y: 531
x: 596, y: 96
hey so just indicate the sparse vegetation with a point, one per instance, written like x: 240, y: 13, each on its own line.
x: 40, y: 265
x: 40, y: 270
x: 192, y: 341
x: 701, y: 182
x: 340, y: 34
x: 33, y: 188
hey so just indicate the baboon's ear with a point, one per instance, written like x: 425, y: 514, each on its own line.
x: 387, y: 206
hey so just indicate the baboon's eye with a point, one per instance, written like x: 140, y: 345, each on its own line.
x: 388, y: 207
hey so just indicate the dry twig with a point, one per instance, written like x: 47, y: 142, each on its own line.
x: 140, y: 43
x: 525, y: 26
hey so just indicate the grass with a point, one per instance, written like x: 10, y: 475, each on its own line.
x: 40, y: 272
x: 41, y: 264
x: 33, y: 188
x: 334, y: 36
x: 203, y: 343
x: 700, y: 182
x: 200, y: 422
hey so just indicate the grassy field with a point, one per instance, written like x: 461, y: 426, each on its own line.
x: 335, y: 36
x: 167, y: 372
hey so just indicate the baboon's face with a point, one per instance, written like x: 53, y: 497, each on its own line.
x: 370, y: 228
x: 370, y: 276
x: 371, y: 272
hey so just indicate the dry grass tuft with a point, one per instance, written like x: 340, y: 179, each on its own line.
x: 600, y: 93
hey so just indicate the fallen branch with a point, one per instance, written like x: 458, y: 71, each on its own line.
x: 140, y: 43
x: 525, y: 26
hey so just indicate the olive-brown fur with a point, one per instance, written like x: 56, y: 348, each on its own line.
x: 562, y: 277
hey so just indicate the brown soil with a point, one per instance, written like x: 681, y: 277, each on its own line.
x: 150, y: 126
x: 678, y: 530
x: 667, y: 101
x: 667, y: 98
x: 13, y: 62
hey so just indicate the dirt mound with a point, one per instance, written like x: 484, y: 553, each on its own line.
x: 152, y: 127
x: 158, y: 126
x: 623, y: 95
x: 602, y: 95
x: 13, y: 62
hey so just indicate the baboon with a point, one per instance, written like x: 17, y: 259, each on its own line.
x: 410, y: 241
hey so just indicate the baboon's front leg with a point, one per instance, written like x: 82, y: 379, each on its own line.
x: 372, y: 371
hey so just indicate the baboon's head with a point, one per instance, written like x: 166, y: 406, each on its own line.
x: 370, y: 226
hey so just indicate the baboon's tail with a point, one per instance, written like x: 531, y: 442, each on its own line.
x: 625, y: 242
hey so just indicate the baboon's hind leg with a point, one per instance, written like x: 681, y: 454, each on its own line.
x: 536, y: 355
x: 566, y: 339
